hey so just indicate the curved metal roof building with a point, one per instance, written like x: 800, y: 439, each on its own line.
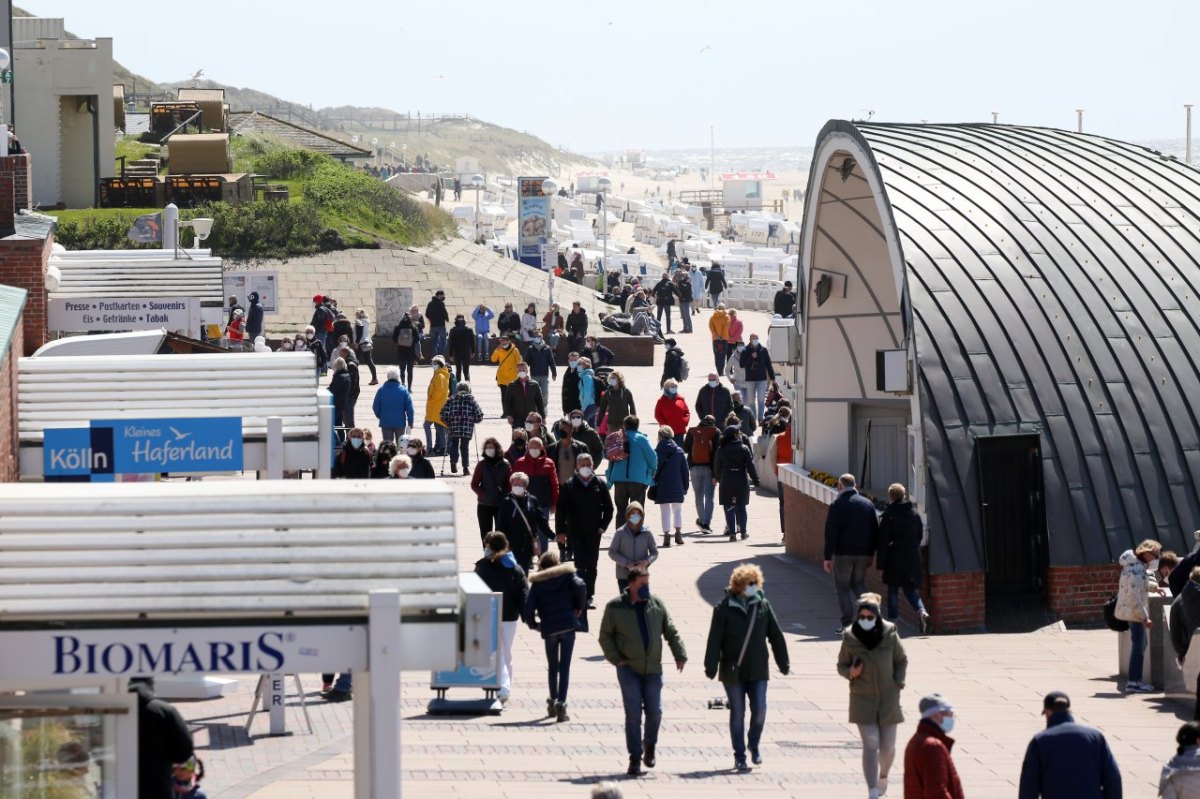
x: 1044, y: 284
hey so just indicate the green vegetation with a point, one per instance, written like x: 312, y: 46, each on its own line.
x: 331, y: 207
x: 131, y: 149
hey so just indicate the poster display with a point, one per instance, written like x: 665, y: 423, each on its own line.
x: 533, y: 221
x: 266, y: 283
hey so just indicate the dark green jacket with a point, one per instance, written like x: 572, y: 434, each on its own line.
x: 727, y: 634
x: 621, y: 641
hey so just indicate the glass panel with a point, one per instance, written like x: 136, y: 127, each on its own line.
x: 56, y: 753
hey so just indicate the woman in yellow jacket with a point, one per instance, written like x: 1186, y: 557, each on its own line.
x: 439, y: 392
x: 507, y: 356
x: 718, y: 325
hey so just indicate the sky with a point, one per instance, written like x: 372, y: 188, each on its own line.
x: 658, y: 73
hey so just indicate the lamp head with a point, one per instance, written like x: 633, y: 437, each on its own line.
x: 202, y: 226
x: 5, y: 58
x: 604, y: 185
x: 477, y: 181
x: 549, y: 187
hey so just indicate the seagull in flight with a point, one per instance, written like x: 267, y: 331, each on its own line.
x: 706, y: 48
x: 178, y: 435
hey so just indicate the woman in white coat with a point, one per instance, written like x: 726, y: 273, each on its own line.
x: 1133, y: 606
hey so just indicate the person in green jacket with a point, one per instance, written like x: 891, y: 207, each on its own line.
x: 742, y: 625
x: 631, y: 634
x: 873, y: 660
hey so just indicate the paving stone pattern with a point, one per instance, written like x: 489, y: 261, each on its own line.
x: 995, y: 682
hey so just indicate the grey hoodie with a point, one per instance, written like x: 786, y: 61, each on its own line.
x: 1181, y: 776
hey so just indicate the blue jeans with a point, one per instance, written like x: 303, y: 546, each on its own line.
x: 893, y: 600
x: 685, y: 310
x: 640, y: 692
x: 738, y: 693
x: 438, y: 334
x: 702, y: 489
x: 558, y: 664
x: 1137, y: 652
x: 757, y: 396
x: 481, y: 346
x: 434, y: 432
x: 735, y: 518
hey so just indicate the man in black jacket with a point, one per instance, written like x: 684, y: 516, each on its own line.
x: 509, y: 321
x: 461, y: 343
x: 576, y: 326
x: 785, y: 301
x: 851, y: 536
x: 714, y: 283
x: 585, y: 509
x: 899, y: 557
x: 254, y: 318
x: 570, y: 384
x: 714, y: 399
x: 163, y: 741
x: 438, y: 317
x: 1185, y: 618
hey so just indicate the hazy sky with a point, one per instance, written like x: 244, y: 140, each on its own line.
x: 658, y: 73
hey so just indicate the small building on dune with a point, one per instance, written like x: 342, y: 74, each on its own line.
x: 1007, y: 321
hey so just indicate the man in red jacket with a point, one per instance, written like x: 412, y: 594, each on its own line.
x: 929, y: 772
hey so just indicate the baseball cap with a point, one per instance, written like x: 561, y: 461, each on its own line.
x: 1056, y: 699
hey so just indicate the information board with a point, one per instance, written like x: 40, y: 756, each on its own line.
x: 533, y: 221
x: 266, y: 283
x: 142, y: 446
x: 115, y: 315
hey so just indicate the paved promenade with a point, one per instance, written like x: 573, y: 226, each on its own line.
x: 995, y: 682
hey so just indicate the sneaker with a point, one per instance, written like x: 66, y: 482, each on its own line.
x: 873, y: 794
x: 756, y: 757
x: 881, y: 786
x: 338, y: 696
x: 924, y: 622
x: 503, y: 695
x: 635, y: 767
x: 648, y: 756
x: 1139, y: 688
x: 740, y: 764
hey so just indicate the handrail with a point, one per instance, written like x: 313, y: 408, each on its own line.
x: 182, y: 124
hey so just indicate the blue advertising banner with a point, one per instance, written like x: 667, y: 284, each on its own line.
x: 143, y: 446
x: 533, y: 221
x: 467, y: 677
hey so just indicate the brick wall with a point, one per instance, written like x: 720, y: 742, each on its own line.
x: 956, y: 602
x: 1077, y: 593
x: 9, y: 466
x: 17, y: 166
x: 23, y: 264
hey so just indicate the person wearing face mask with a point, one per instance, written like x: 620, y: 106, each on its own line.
x: 1133, y: 606
x: 383, y: 459
x: 734, y: 471
x: 523, y: 397
x: 565, y: 451
x: 597, y: 353
x: 460, y: 345
x: 737, y: 328
x: 576, y: 326
x: 422, y: 469
x: 588, y: 390
x: 587, y: 435
x: 746, y: 420
x: 713, y: 399
x: 315, y: 344
x: 670, y: 484
x: 733, y: 368
x: 585, y: 510
x: 570, y: 384
x: 672, y: 410
x: 759, y: 371
x: 435, y: 399
x: 353, y: 462
x: 552, y: 326
x: 632, y: 545
x: 490, y: 484
x: 616, y: 404
x: 339, y: 387
x: 543, y: 478
x: 632, y: 632
x: 520, y: 519
x: 517, y: 447
x: 540, y: 358
x: 438, y: 317
x: 507, y: 357
x: 718, y: 328
x: 534, y: 427
x: 928, y: 767
x: 743, y: 624
x: 501, y: 570
x: 400, y: 467
x: 508, y: 323
x: 872, y: 658
x: 460, y: 414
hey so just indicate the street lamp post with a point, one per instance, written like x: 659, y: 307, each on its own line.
x: 603, y: 187
x: 477, y: 183
x: 1187, y: 157
x: 549, y: 189
x: 5, y: 60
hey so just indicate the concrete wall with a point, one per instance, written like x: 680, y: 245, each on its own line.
x: 56, y: 78
x: 23, y: 260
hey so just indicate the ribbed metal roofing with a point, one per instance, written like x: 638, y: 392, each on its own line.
x: 12, y: 302
x: 1053, y: 280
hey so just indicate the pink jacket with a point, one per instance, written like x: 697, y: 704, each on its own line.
x: 736, y: 326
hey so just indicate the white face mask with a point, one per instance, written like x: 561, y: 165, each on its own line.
x: 402, y: 473
x: 585, y: 472
x: 534, y: 452
x: 522, y: 375
x: 518, y: 491
x: 1152, y: 566
x: 489, y: 451
x: 574, y: 364
x: 714, y: 383
x: 356, y: 442
x: 750, y: 591
x: 530, y: 426
x: 309, y: 335
x: 635, y: 519
x: 612, y: 381
x: 411, y: 450
x: 866, y: 624
x: 576, y: 422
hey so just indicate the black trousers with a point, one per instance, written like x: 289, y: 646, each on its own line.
x: 587, y: 558
x: 486, y: 515
x: 462, y: 369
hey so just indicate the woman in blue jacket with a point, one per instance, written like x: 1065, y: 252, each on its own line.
x: 670, y: 483
x: 629, y: 478
x: 587, y: 391
x: 556, y: 605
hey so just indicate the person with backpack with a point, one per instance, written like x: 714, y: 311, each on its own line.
x: 700, y: 447
x: 460, y: 414
x: 407, y: 338
x: 675, y: 366
x: 743, y: 624
x: 556, y: 606
x: 322, y: 320
x: 631, y: 464
x: 672, y: 410
x: 353, y: 462
x: 615, y: 405
x: 734, y: 471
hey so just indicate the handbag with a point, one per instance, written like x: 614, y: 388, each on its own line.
x: 1110, y: 616
x: 652, y: 491
x: 533, y: 544
x: 603, y: 428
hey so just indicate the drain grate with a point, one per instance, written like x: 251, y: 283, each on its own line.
x: 819, y: 745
